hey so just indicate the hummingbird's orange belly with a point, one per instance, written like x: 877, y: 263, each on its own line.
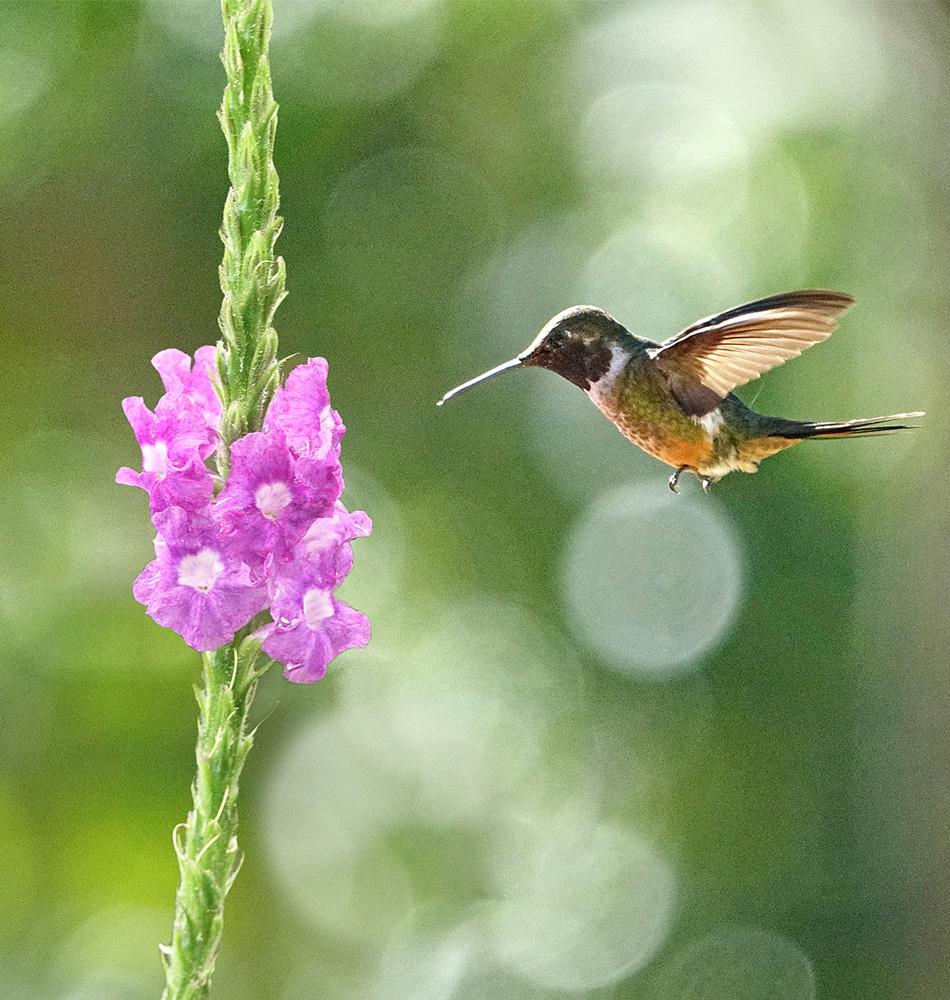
x: 695, y: 452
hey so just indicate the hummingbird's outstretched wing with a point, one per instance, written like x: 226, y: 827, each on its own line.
x: 709, y: 359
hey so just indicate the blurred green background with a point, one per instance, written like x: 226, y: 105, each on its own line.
x: 606, y: 742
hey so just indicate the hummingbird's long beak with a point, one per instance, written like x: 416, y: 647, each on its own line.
x: 513, y: 363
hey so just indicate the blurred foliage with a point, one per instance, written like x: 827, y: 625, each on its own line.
x: 488, y: 802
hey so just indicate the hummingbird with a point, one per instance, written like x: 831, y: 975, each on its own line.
x: 674, y: 399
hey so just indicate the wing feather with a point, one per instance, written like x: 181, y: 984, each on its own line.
x: 709, y: 359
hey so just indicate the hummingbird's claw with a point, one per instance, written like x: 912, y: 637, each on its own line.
x: 707, y: 482
x: 675, y: 478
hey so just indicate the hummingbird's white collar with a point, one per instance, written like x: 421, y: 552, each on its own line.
x: 602, y: 390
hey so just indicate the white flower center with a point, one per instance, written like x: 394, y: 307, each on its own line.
x: 200, y: 570
x: 155, y: 458
x: 272, y: 498
x: 317, y: 605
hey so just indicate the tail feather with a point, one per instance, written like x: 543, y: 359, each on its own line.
x: 868, y: 427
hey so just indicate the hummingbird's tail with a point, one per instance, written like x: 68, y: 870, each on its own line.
x: 868, y: 427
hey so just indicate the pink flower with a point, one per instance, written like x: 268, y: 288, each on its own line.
x: 196, y: 585
x: 196, y: 385
x: 310, y: 626
x: 326, y: 544
x: 271, y: 498
x: 175, y: 441
x: 277, y: 535
x: 301, y: 410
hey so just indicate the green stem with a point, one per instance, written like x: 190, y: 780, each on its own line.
x: 252, y: 282
x: 206, y: 843
x: 252, y: 275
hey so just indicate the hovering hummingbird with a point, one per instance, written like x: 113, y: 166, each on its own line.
x: 674, y: 400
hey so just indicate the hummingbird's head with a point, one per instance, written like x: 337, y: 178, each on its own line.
x: 578, y: 344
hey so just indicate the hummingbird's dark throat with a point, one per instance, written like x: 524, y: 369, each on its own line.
x: 580, y: 361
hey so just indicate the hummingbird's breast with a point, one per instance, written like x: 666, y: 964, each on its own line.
x: 639, y: 402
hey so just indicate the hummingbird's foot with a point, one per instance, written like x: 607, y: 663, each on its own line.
x: 707, y: 482
x: 675, y: 478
